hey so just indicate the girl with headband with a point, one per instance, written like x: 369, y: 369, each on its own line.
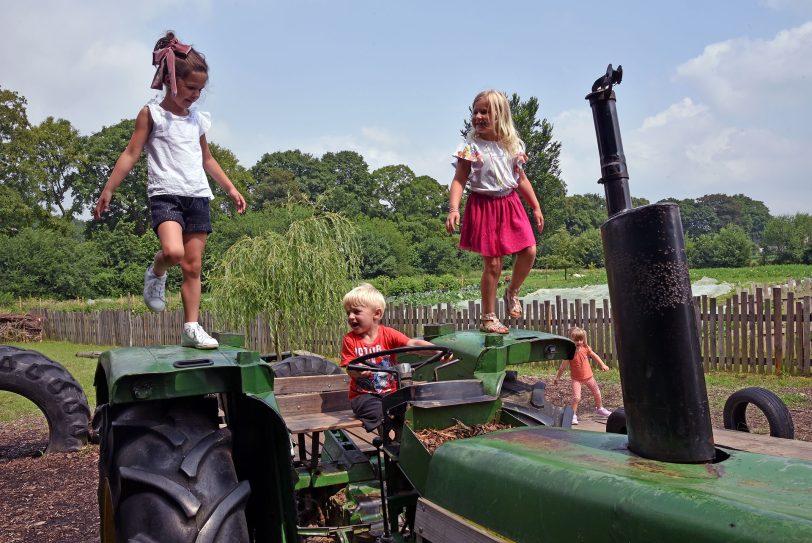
x: 173, y: 134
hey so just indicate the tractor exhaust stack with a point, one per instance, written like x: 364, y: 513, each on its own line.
x: 664, y: 394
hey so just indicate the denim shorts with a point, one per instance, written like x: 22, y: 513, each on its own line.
x: 190, y: 212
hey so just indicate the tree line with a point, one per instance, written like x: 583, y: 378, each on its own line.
x: 51, y: 176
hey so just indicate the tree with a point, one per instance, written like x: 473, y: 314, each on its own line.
x: 384, y: 249
x: 130, y: 201
x: 15, y: 214
x: 308, y: 171
x: 53, y: 158
x: 13, y: 125
x: 439, y: 255
x: 584, y: 212
x: 730, y: 248
x: 294, y: 280
x: 588, y: 248
x: 45, y: 263
x: 239, y: 176
x: 558, y: 251
x: 124, y: 255
x: 423, y: 198
x: 351, y: 188
x: 788, y: 239
x: 390, y: 180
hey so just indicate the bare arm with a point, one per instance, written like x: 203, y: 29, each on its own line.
x: 212, y: 167
x: 125, y: 162
x: 526, y: 191
x: 455, y: 194
x: 597, y: 359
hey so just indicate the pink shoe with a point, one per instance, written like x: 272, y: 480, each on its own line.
x: 602, y: 412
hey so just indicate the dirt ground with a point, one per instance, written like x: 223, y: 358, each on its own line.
x: 52, y: 499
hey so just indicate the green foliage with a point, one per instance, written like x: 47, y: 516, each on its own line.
x: 559, y: 251
x: 384, y: 249
x: 15, y: 214
x: 295, y: 280
x: 44, y: 263
x: 130, y: 201
x: 124, y: 257
x: 788, y: 239
x: 730, y: 248
x: 239, y: 176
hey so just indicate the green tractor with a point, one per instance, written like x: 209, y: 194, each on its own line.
x: 216, y: 447
x: 199, y: 449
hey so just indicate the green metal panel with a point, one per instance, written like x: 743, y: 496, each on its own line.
x: 161, y: 372
x: 545, y: 484
x: 490, y: 353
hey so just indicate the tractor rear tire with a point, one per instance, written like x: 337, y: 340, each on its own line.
x: 778, y: 416
x: 304, y: 366
x: 53, y: 390
x: 166, y: 473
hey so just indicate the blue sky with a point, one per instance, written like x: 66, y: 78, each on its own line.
x: 715, y: 96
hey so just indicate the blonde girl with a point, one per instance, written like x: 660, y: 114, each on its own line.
x: 491, y: 162
x: 581, y: 373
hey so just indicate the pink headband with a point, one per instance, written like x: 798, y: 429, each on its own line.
x: 166, y: 57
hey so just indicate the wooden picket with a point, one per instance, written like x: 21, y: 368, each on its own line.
x: 763, y: 331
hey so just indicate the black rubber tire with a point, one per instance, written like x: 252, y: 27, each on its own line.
x: 776, y: 412
x: 616, y: 422
x: 304, y: 365
x: 53, y: 390
x: 166, y: 473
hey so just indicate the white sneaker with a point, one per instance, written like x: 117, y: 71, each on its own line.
x: 602, y: 412
x: 574, y: 420
x: 194, y: 336
x: 154, y: 290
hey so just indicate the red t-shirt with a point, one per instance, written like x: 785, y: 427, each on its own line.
x: 354, y: 346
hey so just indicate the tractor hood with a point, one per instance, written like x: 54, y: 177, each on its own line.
x: 481, y: 353
x: 548, y: 484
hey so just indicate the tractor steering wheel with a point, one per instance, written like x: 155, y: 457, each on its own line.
x: 441, y: 352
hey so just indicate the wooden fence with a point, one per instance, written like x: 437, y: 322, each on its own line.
x: 762, y: 330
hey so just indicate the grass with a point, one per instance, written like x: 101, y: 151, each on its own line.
x: 13, y: 406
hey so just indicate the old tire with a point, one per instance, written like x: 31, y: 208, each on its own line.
x: 776, y: 412
x: 166, y: 473
x: 304, y: 365
x: 53, y: 390
x: 616, y: 422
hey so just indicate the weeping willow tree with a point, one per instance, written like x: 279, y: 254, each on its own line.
x: 294, y: 280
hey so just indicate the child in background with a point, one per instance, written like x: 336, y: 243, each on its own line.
x: 365, y: 306
x: 491, y: 160
x: 173, y: 133
x: 581, y: 373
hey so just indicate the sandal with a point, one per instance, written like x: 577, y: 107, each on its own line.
x: 491, y: 325
x: 512, y: 305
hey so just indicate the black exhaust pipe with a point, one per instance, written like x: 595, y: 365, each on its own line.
x: 664, y: 394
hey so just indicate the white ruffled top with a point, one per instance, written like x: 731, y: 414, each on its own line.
x: 174, y: 155
x: 494, y: 170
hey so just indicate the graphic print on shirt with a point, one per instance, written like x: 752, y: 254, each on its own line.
x: 380, y: 382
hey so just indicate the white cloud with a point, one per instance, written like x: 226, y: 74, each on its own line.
x: 746, y: 73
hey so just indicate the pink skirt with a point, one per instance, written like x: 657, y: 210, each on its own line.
x: 495, y: 226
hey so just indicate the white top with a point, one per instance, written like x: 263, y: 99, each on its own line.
x: 494, y: 171
x: 174, y: 156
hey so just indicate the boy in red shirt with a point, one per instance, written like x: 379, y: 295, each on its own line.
x: 365, y: 306
x: 581, y: 373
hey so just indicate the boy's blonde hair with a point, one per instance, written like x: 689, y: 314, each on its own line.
x: 578, y: 334
x: 364, y: 295
x: 506, y: 134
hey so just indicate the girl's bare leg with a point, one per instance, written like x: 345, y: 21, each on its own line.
x: 491, y: 271
x: 522, y: 264
x: 190, y: 265
x: 170, y: 235
x: 576, y: 396
x: 592, y: 384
